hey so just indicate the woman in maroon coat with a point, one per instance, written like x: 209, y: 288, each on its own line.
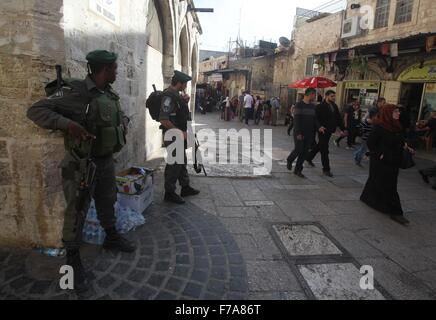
x: 386, y: 144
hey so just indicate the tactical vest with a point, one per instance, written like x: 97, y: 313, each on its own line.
x: 181, y: 117
x: 103, y: 118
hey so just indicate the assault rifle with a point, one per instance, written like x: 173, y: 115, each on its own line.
x: 87, y: 169
x: 198, y: 167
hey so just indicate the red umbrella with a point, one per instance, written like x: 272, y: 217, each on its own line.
x: 313, y: 82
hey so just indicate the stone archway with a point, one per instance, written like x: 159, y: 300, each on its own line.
x: 166, y: 18
x: 184, y: 50
x: 159, y: 63
x: 194, y: 72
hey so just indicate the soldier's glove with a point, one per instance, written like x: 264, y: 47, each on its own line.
x: 78, y: 132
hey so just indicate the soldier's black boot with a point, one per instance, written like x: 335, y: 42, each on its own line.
x: 189, y: 192
x: 81, y: 282
x: 115, y: 242
x: 174, y: 198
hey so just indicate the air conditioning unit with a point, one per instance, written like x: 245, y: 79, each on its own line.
x: 351, y: 27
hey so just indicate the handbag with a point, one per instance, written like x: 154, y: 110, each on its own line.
x: 408, y: 161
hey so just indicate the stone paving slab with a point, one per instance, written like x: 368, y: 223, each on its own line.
x: 398, y: 252
x: 248, y: 192
x: 259, y: 203
x: 271, y: 213
x: 305, y: 240
x: 428, y: 277
x: 400, y: 283
x: 337, y: 282
x: 357, y: 246
x: 271, y: 276
x: 225, y: 196
x: 295, y: 212
x: 249, y: 248
x: 301, y: 187
x: 237, y: 212
x: 277, y: 296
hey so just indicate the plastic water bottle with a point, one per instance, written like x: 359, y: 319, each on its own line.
x: 50, y: 252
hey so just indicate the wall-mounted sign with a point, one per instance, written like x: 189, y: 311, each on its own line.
x: 108, y: 9
x: 216, y: 77
x: 428, y: 101
x: 419, y: 73
x: 367, y: 85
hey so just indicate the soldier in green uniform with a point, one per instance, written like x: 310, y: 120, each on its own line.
x: 90, y: 116
x: 174, y: 114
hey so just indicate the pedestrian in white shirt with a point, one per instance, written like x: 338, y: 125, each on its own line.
x: 248, y: 106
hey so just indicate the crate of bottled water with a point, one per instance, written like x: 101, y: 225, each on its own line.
x: 93, y: 233
x: 127, y: 220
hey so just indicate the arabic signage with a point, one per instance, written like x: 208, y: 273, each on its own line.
x: 419, y: 73
x: 108, y: 9
x: 368, y: 85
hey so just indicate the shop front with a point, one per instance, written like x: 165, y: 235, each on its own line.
x: 418, y: 90
x: 366, y: 92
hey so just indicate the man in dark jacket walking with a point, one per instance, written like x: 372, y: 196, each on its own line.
x: 352, y: 121
x: 329, y: 117
x: 306, y: 125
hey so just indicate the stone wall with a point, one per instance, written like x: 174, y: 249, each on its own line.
x: 260, y: 73
x: 34, y: 37
x: 31, y: 43
x: 309, y: 38
x: 423, y: 21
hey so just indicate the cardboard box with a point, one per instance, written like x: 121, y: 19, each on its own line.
x: 134, y: 181
x: 137, y: 203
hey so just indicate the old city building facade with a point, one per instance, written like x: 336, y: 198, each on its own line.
x: 373, y: 48
x: 392, y: 55
x: 152, y: 38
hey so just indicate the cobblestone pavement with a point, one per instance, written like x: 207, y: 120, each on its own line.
x: 275, y: 237
x: 182, y: 253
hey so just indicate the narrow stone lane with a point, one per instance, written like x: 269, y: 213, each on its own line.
x: 332, y: 233
x: 273, y: 237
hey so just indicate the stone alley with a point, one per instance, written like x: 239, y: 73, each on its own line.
x: 267, y: 238
x: 93, y: 208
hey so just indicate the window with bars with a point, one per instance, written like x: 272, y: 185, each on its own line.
x: 382, y: 14
x: 404, y: 11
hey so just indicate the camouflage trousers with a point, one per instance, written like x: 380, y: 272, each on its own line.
x: 104, y: 193
x: 174, y: 173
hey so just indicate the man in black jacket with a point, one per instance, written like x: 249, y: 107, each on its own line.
x: 306, y: 125
x: 328, y: 117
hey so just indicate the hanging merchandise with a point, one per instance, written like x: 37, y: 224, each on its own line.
x: 430, y: 44
x: 385, y: 48
x: 394, y: 50
x: 333, y: 56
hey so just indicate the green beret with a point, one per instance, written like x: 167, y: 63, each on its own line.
x: 101, y: 56
x: 182, y: 77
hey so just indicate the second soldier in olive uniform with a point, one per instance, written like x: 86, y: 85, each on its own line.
x: 174, y: 114
x: 89, y: 114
